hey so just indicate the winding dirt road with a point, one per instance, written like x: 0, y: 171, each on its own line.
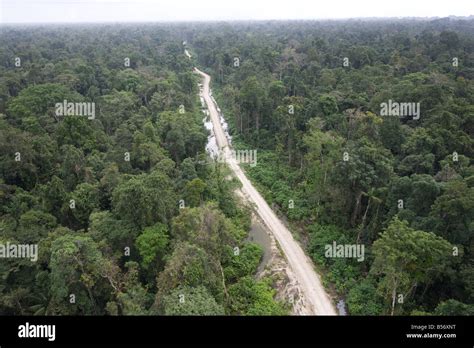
x: 318, y: 301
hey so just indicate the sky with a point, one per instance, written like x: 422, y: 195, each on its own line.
x: 77, y: 11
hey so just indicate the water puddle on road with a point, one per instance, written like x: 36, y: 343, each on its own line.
x: 259, y: 236
x: 211, y: 147
x: 341, y: 307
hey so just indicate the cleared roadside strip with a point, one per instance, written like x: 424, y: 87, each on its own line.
x: 319, y: 302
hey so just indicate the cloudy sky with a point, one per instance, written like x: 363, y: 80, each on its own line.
x: 47, y: 11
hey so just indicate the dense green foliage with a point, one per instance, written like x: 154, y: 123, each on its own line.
x: 103, y: 197
x: 308, y: 95
x: 126, y: 215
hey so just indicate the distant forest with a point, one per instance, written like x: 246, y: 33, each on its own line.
x: 131, y: 218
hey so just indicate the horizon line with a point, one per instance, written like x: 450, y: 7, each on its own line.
x: 181, y: 21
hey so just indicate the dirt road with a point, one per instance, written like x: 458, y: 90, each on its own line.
x: 318, y: 301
